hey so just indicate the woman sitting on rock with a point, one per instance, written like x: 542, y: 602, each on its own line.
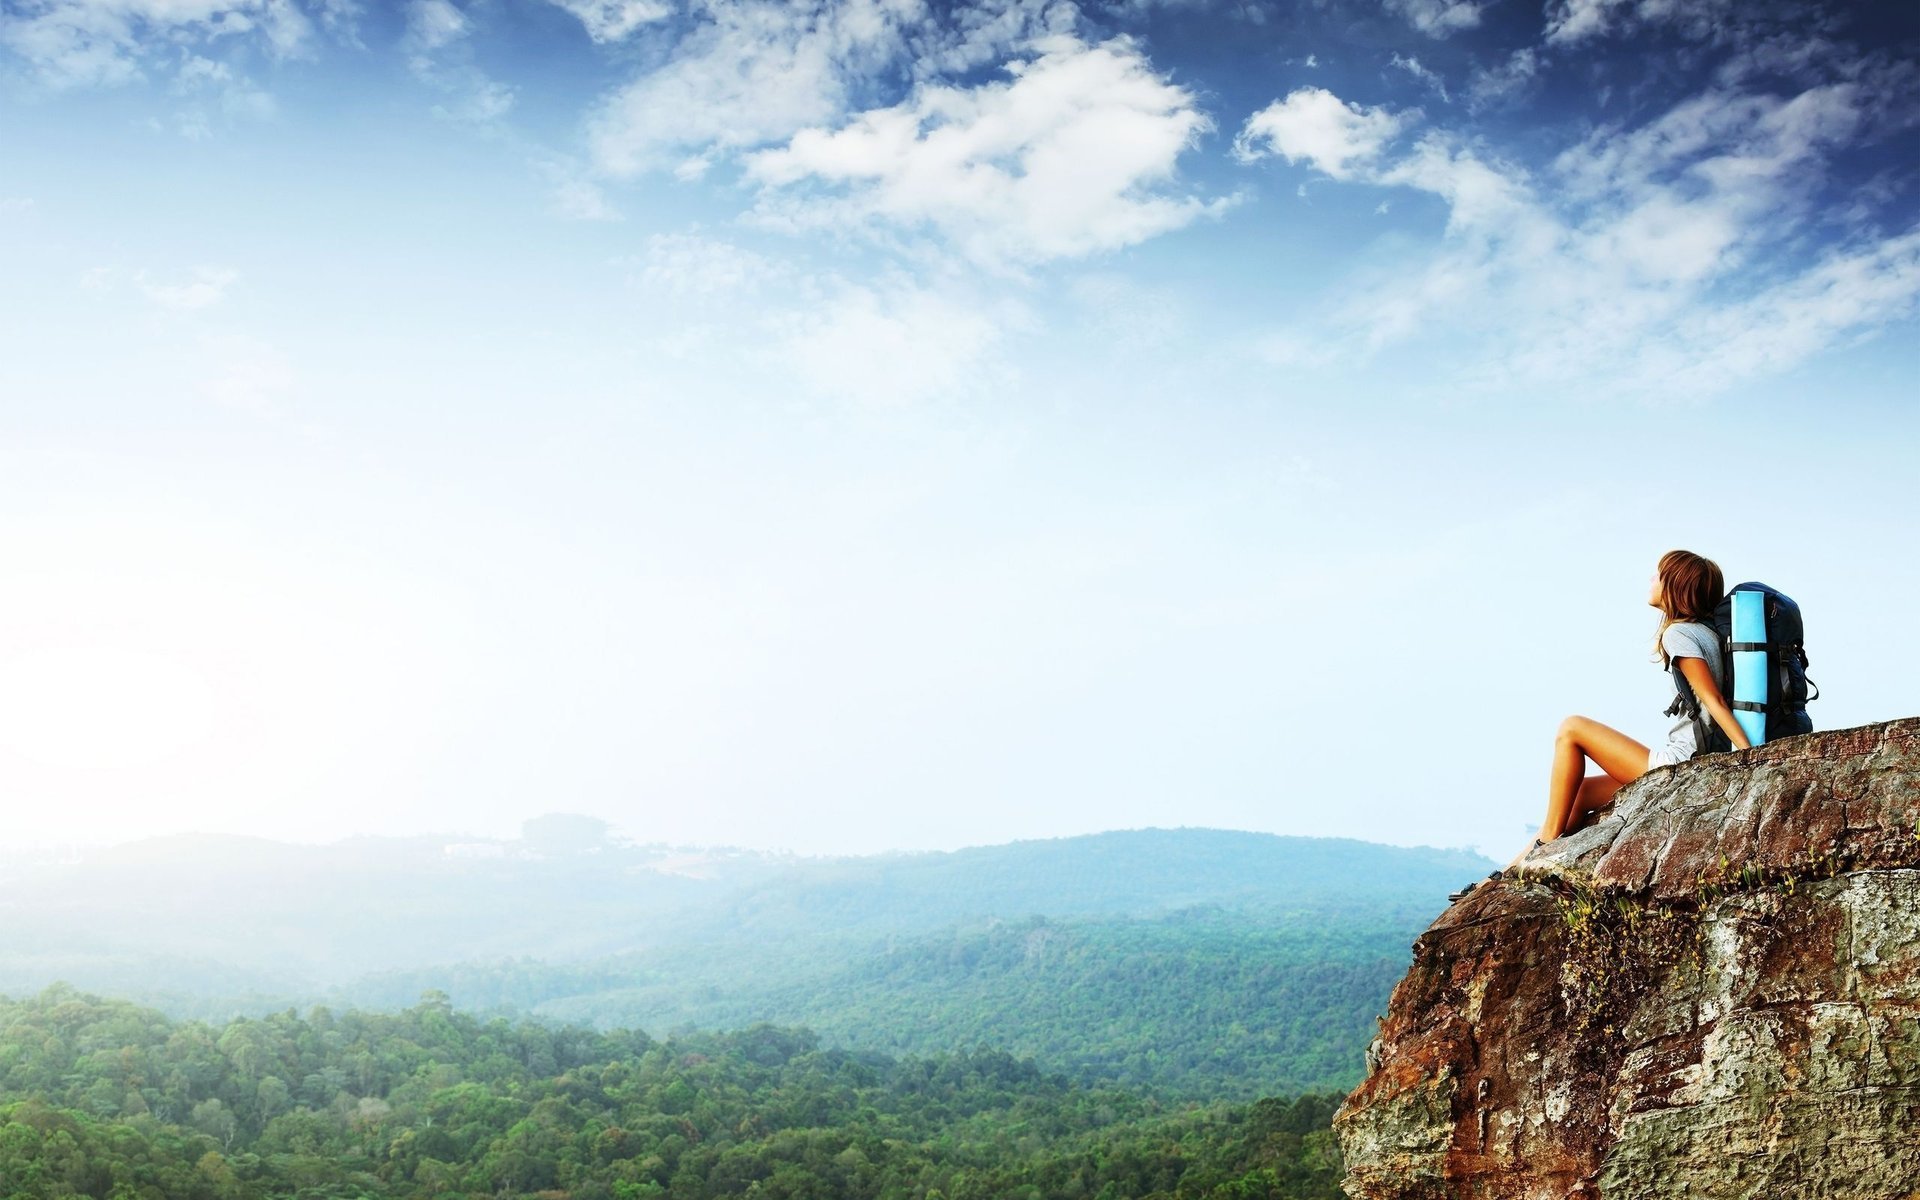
x: 1686, y: 589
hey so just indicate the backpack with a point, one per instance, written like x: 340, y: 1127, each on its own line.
x: 1782, y: 677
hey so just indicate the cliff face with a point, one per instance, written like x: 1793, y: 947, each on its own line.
x: 1714, y: 992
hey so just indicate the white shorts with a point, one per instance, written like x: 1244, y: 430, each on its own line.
x: 1667, y: 755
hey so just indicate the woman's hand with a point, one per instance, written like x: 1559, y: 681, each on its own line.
x: 1707, y: 692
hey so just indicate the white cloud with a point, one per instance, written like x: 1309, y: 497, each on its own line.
x: 1315, y: 126
x: 206, y: 288
x: 1074, y: 155
x: 1438, y: 18
x: 750, y: 74
x: 613, y: 20
x: 77, y: 43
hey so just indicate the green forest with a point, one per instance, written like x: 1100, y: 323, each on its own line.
x: 102, y: 1098
x: 1201, y: 1004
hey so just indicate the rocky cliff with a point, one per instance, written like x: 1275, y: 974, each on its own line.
x: 1713, y: 992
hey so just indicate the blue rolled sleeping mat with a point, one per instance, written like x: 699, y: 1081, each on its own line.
x: 1765, y: 637
x: 1750, y: 666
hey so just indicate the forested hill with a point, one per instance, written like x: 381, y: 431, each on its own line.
x: 109, y: 1101
x: 1197, y: 962
x: 1205, y: 1003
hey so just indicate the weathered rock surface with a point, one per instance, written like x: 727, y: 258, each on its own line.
x: 1714, y: 992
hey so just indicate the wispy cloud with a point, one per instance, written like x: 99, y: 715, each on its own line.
x: 206, y: 288
x: 236, y: 97
x: 1572, y: 21
x: 959, y: 38
x: 1426, y: 75
x: 435, y: 24
x: 1438, y: 18
x: 614, y: 20
x: 573, y: 194
x: 749, y: 74
x: 1513, y: 77
x: 694, y: 264
x: 896, y: 345
x: 76, y: 43
x: 582, y: 200
x: 439, y: 54
x: 1659, y: 255
x: 1849, y: 292
x: 893, y: 342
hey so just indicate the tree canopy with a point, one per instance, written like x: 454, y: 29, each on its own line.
x: 105, y: 1099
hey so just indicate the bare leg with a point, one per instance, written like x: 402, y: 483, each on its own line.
x: 1569, y: 793
x: 1595, y: 794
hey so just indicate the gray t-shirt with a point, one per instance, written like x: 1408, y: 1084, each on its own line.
x: 1689, y: 639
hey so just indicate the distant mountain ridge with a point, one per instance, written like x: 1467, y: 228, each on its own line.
x: 374, y: 904
x: 1120, y: 873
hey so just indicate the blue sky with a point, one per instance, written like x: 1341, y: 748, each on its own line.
x: 873, y: 424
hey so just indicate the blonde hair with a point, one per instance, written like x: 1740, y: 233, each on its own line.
x: 1691, y: 587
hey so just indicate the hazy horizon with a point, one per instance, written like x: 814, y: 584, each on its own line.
x: 867, y: 425
x: 622, y: 838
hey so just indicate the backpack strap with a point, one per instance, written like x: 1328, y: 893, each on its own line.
x: 1684, y: 701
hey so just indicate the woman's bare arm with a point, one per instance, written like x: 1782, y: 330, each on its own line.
x: 1707, y: 692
